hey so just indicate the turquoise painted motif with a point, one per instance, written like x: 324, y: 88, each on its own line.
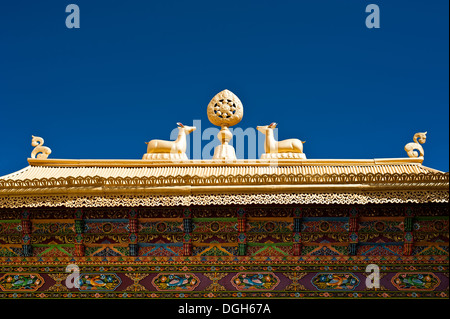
x: 255, y: 281
x: 335, y: 281
x: 176, y: 281
x: 415, y: 281
x: 100, y: 282
x: 21, y: 282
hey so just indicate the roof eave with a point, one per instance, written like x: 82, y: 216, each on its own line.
x: 210, y: 162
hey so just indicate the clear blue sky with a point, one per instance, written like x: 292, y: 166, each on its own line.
x: 135, y: 68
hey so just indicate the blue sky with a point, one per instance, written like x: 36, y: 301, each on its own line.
x: 135, y: 68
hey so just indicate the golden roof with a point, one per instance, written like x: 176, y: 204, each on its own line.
x: 149, y: 180
x: 53, y: 169
x: 165, y: 176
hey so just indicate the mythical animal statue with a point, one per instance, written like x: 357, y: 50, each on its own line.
x: 271, y: 146
x: 40, y: 151
x: 162, y: 149
x: 411, y: 147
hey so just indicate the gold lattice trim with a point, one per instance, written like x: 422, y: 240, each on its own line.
x: 350, y: 198
x: 435, y: 179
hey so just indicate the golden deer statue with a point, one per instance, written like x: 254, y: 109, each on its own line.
x: 162, y: 149
x: 271, y: 146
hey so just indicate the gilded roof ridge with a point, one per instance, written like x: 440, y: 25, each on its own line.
x: 224, y: 163
x: 436, y: 179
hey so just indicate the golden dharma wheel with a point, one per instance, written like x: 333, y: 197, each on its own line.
x: 225, y: 109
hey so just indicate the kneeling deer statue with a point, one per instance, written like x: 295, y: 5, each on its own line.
x: 292, y: 145
x: 173, y: 147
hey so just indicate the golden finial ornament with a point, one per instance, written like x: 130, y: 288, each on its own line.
x: 225, y: 110
x: 411, y: 147
x: 40, y: 151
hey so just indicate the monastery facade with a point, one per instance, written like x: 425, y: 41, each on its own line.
x: 281, y: 226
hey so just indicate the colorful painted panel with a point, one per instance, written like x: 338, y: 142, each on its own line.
x: 161, y: 227
x: 440, y: 250
x: 380, y: 250
x: 232, y: 276
x: 269, y: 237
x: 217, y: 265
x: 269, y: 227
x: 215, y: 250
x: 176, y: 281
x: 387, y: 226
x: 99, y: 281
x: 324, y: 238
x: 53, y: 250
x: 215, y: 237
x: 9, y: 251
x: 415, y: 281
x: 255, y: 281
x: 381, y: 237
x: 105, y: 226
x: 436, y: 225
x: 51, y: 239
x: 215, y: 226
x: 317, y: 224
x: 21, y: 282
x: 13, y: 227
x: 160, y: 238
x: 106, y: 239
x: 270, y: 250
x: 335, y: 281
x: 107, y: 250
x: 324, y: 250
x: 52, y: 228
x: 161, y: 249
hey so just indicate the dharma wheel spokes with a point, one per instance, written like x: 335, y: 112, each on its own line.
x: 225, y: 110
